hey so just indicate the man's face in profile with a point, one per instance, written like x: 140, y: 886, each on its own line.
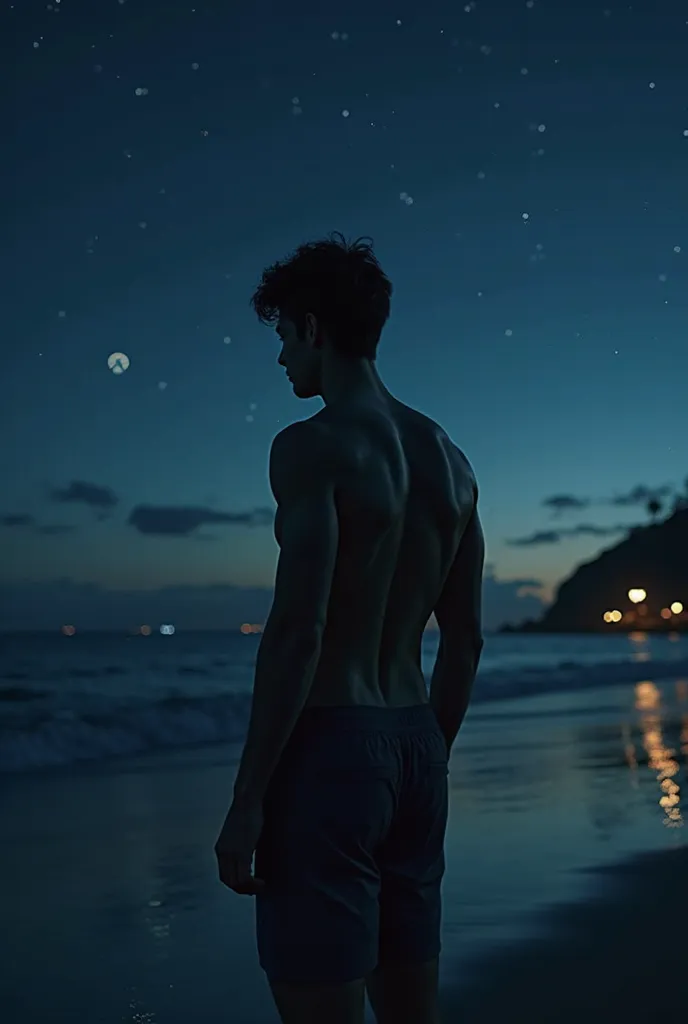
x: 299, y: 357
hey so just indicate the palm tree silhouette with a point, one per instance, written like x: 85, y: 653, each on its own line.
x: 681, y: 497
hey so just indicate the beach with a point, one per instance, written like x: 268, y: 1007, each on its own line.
x: 566, y: 891
x: 619, y: 955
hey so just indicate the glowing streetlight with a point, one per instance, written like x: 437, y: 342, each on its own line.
x: 636, y: 595
x: 676, y: 607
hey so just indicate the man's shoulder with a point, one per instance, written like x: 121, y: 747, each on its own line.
x: 304, y: 439
x: 328, y: 442
x: 301, y: 454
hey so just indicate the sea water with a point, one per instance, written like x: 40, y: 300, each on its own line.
x: 93, y: 696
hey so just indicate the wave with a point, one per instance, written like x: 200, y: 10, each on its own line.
x: 42, y: 739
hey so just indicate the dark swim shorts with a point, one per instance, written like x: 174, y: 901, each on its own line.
x: 352, y: 851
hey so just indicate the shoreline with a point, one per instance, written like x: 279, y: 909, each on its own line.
x: 571, y: 680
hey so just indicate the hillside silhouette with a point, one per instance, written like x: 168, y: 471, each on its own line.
x: 652, y: 557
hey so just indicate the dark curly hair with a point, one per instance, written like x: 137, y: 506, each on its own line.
x: 341, y: 283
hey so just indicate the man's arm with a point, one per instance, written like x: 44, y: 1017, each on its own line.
x: 459, y: 614
x: 301, y: 481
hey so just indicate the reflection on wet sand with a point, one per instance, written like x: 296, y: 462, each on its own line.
x: 682, y: 693
x: 662, y: 759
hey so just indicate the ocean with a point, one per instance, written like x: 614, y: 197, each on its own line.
x: 97, y: 696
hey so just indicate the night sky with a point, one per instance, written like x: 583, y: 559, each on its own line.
x: 523, y: 170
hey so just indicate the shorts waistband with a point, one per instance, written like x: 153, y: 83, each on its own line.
x: 372, y: 719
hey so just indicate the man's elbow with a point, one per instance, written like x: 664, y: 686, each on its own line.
x: 462, y: 650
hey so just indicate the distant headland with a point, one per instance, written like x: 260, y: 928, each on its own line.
x: 640, y: 584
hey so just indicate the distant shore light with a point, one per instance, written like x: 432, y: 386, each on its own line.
x: 676, y: 607
x: 636, y: 595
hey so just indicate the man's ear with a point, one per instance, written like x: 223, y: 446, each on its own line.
x: 313, y: 326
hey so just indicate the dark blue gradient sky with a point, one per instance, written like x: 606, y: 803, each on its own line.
x: 523, y: 170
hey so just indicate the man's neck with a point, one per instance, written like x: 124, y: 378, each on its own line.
x: 347, y: 380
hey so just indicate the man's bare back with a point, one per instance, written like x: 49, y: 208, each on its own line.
x: 342, y: 790
x: 404, y: 495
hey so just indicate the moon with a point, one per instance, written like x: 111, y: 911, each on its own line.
x: 118, y: 362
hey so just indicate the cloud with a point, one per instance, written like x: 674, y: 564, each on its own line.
x: 640, y: 495
x: 558, y: 503
x: 541, y: 537
x: 537, y: 538
x: 589, y: 530
x: 509, y: 600
x: 79, y: 492
x: 49, y: 529
x: 181, y: 521
x: 26, y: 520
x: 151, y: 520
x: 16, y: 520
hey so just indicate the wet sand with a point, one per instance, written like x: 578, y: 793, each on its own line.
x: 566, y: 894
x: 621, y: 956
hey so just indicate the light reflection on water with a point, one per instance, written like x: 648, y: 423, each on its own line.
x: 662, y: 759
x: 511, y: 756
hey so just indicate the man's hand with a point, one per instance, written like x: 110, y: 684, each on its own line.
x: 235, y: 847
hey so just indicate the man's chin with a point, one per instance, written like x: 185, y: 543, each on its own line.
x: 300, y: 391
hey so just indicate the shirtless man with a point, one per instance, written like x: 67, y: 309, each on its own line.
x: 342, y: 787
